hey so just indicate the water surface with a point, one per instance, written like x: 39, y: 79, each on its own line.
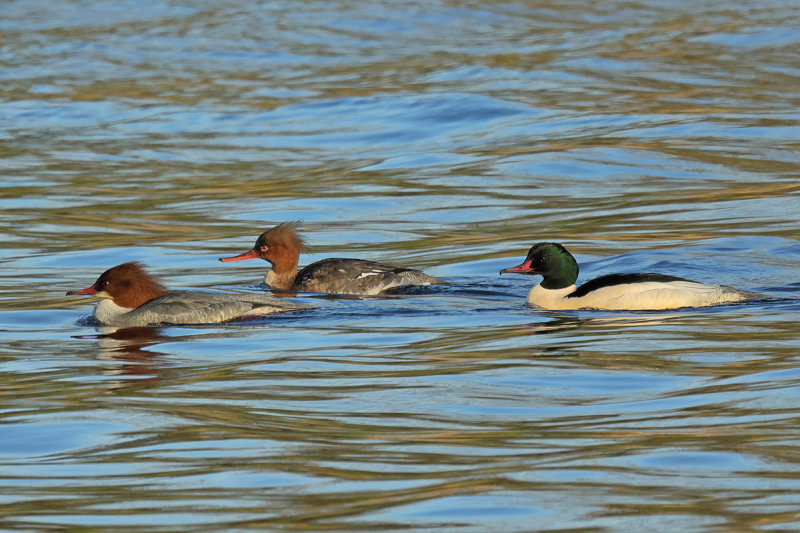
x: 449, y: 136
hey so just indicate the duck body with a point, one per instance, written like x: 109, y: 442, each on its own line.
x: 645, y: 292
x: 281, y: 246
x: 638, y: 291
x: 355, y: 276
x: 191, y: 307
x: 132, y: 298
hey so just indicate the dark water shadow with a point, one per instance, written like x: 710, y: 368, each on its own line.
x: 129, y: 354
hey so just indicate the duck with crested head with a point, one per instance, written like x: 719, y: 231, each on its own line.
x: 281, y: 247
x: 640, y: 291
x: 132, y: 297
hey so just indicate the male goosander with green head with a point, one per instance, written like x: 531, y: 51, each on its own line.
x: 644, y: 291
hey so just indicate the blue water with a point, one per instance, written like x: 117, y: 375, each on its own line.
x: 445, y: 136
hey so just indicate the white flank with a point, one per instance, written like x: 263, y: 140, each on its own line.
x: 651, y: 295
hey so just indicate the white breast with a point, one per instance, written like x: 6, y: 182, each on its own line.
x: 551, y: 298
x: 109, y: 313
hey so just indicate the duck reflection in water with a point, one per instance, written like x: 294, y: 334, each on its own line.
x: 126, y: 350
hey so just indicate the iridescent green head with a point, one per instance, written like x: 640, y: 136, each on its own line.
x: 551, y: 261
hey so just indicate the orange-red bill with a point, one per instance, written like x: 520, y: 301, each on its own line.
x: 524, y: 268
x: 87, y: 290
x: 251, y: 254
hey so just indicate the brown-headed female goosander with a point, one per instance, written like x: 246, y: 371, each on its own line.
x: 131, y: 297
x: 557, y: 291
x: 281, y: 246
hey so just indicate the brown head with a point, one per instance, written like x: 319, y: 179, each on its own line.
x: 127, y: 284
x: 281, y: 246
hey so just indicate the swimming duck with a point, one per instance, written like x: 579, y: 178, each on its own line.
x: 131, y: 297
x: 281, y: 246
x: 641, y: 291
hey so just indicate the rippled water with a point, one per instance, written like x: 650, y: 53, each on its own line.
x: 645, y: 136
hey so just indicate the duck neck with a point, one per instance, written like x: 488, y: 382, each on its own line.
x: 565, y: 276
x: 278, y: 281
x: 139, y: 293
x: 560, y: 282
x: 284, y: 270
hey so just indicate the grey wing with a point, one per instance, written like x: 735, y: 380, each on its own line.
x: 360, y: 276
x: 197, y: 307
